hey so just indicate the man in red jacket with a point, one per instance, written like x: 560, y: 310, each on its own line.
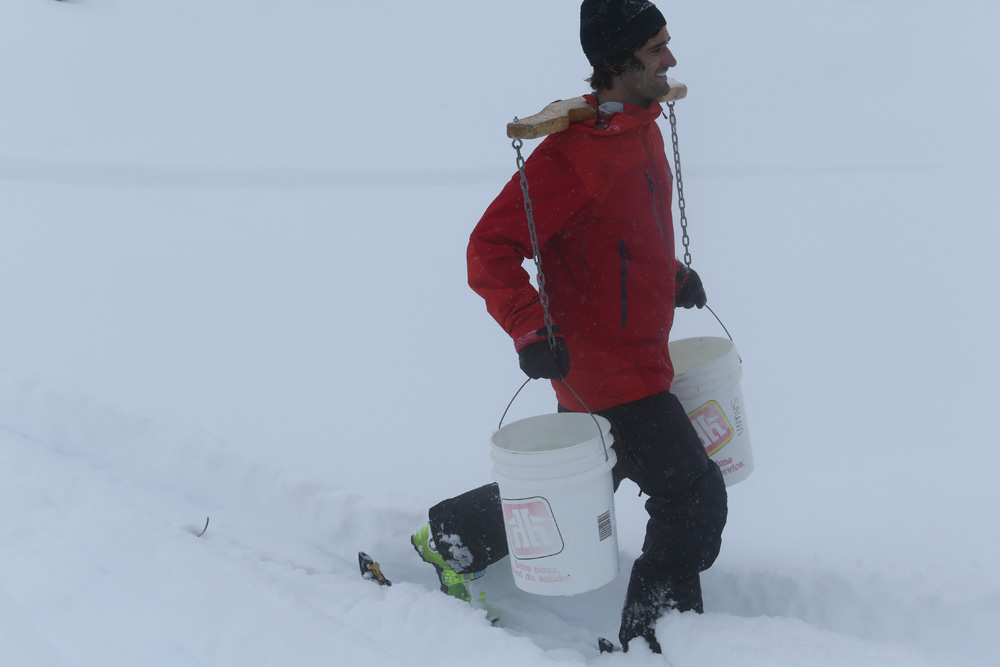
x: 600, y: 194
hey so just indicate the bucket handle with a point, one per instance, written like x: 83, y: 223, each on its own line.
x: 709, y: 309
x: 600, y: 431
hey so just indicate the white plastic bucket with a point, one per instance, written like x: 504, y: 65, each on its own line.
x: 707, y: 374
x: 554, y: 474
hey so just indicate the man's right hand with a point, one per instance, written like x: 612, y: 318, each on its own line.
x: 542, y: 360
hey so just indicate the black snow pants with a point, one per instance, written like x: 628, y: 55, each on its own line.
x: 658, y: 449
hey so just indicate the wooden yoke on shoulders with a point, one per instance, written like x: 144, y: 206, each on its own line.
x: 557, y: 116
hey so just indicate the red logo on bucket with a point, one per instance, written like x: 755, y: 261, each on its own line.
x: 712, y: 426
x: 531, y: 529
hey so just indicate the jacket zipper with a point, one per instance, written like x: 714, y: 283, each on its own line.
x: 626, y: 256
x: 652, y: 191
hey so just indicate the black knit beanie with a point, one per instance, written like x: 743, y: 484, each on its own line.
x: 609, y: 28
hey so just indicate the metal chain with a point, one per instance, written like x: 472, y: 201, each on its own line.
x: 542, y: 296
x: 680, y: 205
x: 680, y: 186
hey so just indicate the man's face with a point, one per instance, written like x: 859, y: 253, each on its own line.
x: 643, y: 86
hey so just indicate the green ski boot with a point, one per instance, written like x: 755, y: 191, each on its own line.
x: 452, y: 583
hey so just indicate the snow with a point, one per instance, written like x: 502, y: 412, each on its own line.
x: 232, y: 285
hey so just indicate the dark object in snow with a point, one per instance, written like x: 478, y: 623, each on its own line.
x: 203, y: 529
x: 606, y: 645
x: 371, y: 570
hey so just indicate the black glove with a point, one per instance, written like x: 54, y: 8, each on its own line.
x: 540, y: 360
x: 692, y: 293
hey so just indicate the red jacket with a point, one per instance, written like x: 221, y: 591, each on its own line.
x: 600, y: 194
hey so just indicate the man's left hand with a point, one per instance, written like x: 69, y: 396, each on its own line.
x: 692, y: 292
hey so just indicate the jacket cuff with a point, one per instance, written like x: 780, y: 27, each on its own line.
x: 524, y: 340
x: 681, y: 277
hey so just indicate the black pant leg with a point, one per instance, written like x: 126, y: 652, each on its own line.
x: 469, y: 530
x: 658, y: 449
